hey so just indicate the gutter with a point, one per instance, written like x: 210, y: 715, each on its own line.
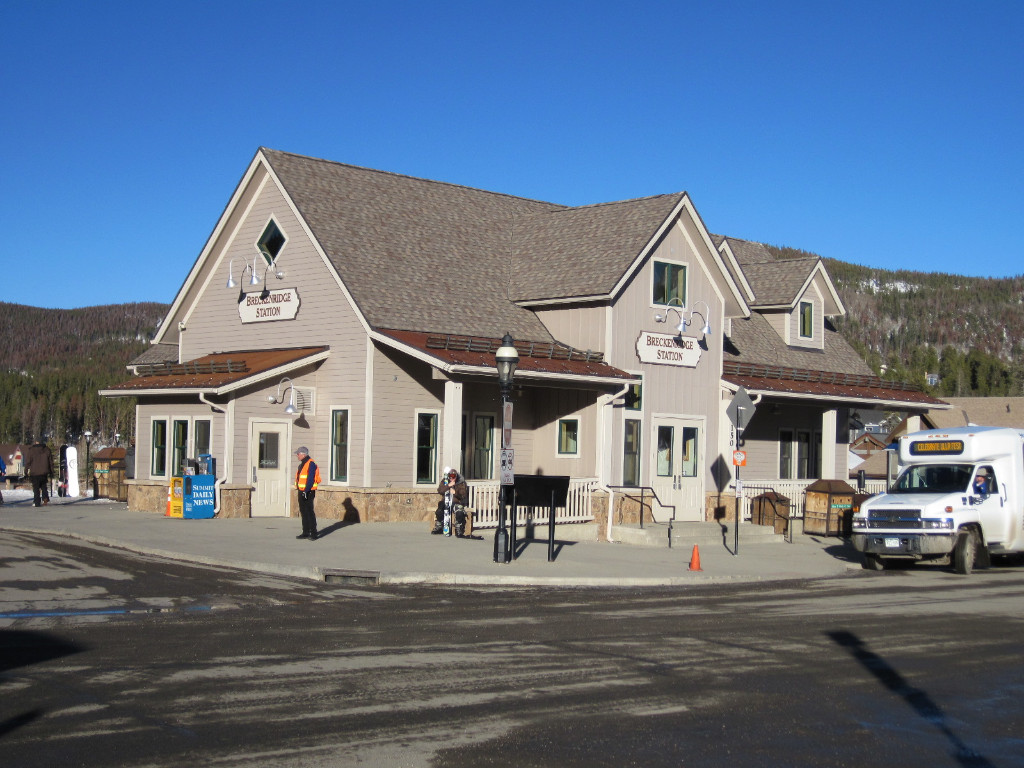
x: 602, y: 482
x: 227, y: 417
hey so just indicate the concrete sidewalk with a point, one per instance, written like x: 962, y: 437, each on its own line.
x: 405, y: 553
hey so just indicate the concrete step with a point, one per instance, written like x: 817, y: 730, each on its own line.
x: 688, y: 534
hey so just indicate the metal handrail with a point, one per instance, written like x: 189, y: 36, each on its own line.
x: 654, y: 494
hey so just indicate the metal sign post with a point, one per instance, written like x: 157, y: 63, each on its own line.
x: 740, y: 412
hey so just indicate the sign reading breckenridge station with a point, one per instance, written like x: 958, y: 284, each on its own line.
x: 667, y: 350
x: 259, y: 307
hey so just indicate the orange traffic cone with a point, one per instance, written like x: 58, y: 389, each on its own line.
x: 695, y: 559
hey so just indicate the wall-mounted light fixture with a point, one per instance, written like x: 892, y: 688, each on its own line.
x: 253, y: 280
x: 290, y: 409
x: 685, y: 319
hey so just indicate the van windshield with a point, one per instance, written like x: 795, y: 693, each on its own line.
x: 934, y: 478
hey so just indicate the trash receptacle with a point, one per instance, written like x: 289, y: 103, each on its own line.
x: 772, y: 509
x: 828, y: 506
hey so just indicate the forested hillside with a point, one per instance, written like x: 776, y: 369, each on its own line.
x: 967, y: 330
x: 54, y: 361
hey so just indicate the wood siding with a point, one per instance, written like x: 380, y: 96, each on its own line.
x: 691, y: 392
x: 325, y: 317
x: 582, y: 327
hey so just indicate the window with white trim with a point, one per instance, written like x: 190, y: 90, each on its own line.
x: 202, y: 437
x: 175, y: 439
x: 799, y: 454
x: 158, y: 467
x: 339, y: 444
x: 631, y: 453
x: 669, y: 284
x: 179, y: 446
x: 568, y: 437
x: 806, y: 320
x: 426, y: 446
x: 481, y: 465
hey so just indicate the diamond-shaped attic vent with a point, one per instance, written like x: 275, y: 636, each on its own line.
x: 271, y: 242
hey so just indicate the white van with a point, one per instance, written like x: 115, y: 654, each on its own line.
x: 958, y: 498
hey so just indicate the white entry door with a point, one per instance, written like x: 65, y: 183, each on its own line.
x: 270, y: 468
x: 678, y: 468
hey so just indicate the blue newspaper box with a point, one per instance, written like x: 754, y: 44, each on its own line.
x: 198, y: 496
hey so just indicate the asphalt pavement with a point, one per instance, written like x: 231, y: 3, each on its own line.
x: 406, y: 553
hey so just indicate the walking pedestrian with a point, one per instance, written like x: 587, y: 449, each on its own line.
x: 39, y: 468
x: 3, y: 476
x: 307, y: 478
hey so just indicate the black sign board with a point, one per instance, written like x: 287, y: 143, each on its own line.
x: 536, y: 490
x: 550, y: 491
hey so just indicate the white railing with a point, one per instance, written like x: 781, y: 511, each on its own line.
x: 793, y: 490
x: 485, y: 494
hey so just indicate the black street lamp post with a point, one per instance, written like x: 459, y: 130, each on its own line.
x: 506, y: 359
x: 88, y: 474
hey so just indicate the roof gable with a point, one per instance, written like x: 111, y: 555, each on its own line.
x: 781, y: 283
x: 584, y: 251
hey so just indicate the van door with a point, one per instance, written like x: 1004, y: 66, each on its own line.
x: 269, y: 466
x: 993, y: 511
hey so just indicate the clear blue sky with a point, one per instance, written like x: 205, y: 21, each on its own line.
x: 881, y: 133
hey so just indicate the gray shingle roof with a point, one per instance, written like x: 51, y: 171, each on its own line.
x: 982, y: 411
x: 415, y: 254
x: 583, y: 251
x: 774, y: 281
x: 424, y: 255
x: 157, y: 353
x: 753, y: 340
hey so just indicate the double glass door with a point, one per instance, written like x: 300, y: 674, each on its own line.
x: 678, y: 468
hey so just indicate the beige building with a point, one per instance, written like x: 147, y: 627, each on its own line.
x: 371, y: 304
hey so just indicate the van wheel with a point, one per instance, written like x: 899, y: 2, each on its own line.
x: 873, y: 563
x: 965, y: 552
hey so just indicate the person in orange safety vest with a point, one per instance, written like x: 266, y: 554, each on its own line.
x: 307, y: 478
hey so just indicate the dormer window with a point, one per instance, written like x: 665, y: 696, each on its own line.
x: 271, y: 242
x: 806, y: 320
x: 669, y: 283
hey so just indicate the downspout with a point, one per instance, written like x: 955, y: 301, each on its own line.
x: 605, y: 466
x: 227, y: 430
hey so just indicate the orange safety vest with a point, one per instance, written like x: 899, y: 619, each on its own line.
x: 302, y: 475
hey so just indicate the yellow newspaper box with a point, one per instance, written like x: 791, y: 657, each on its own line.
x: 175, y: 498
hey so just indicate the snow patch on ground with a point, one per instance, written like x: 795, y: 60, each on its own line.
x: 22, y: 495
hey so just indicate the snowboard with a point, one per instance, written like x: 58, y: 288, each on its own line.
x: 446, y: 525
x: 72, y: 471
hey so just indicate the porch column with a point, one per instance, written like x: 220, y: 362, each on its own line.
x: 828, y: 446
x: 451, y: 439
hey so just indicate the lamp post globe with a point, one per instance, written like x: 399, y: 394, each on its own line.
x: 506, y: 360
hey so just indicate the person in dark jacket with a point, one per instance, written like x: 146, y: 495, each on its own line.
x: 454, y: 494
x: 307, y: 478
x: 3, y: 474
x: 39, y: 468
